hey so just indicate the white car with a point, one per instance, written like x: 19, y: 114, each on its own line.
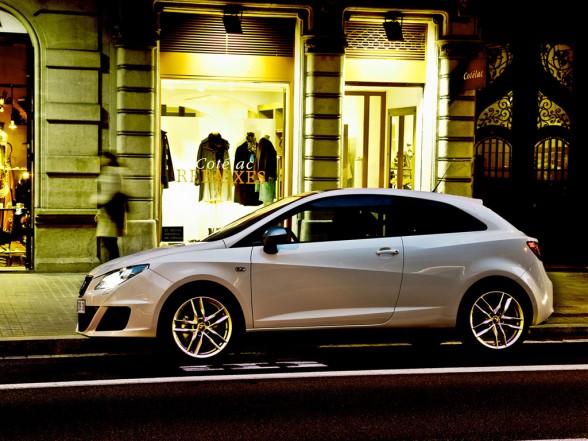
x: 337, y: 259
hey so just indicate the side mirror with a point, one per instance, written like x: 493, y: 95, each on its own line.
x: 273, y: 237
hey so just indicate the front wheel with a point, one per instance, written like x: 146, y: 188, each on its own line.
x: 493, y: 319
x: 200, y: 328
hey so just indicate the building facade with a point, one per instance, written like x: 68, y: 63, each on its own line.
x: 342, y: 103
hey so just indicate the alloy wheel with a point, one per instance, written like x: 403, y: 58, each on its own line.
x: 497, y: 320
x: 202, y: 327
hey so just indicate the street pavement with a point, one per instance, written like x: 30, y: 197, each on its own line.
x: 38, y: 313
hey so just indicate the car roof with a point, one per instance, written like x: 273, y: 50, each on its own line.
x: 474, y: 206
x: 441, y: 197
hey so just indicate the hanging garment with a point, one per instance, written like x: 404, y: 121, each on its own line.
x: 213, y: 170
x: 244, y: 174
x: 266, y: 168
x: 167, y: 166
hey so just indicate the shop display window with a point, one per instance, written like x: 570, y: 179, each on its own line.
x: 202, y: 198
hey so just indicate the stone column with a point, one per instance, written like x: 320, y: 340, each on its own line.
x: 136, y: 143
x: 137, y: 128
x: 455, y: 119
x: 323, y: 98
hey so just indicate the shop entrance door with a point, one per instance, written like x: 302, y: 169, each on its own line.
x: 402, y: 140
x: 363, y: 150
x: 380, y: 143
x: 16, y: 150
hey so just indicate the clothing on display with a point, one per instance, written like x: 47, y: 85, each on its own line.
x: 213, y: 170
x: 266, y: 165
x: 244, y: 174
x: 167, y: 166
x: 7, y: 197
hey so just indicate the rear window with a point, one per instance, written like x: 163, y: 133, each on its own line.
x: 422, y: 216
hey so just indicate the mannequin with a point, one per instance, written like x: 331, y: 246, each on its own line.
x: 266, y: 164
x: 244, y: 174
x: 213, y: 169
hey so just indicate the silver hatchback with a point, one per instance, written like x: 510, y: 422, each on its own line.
x: 338, y: 259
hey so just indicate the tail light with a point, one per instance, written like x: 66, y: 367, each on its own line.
x: 535, y: 248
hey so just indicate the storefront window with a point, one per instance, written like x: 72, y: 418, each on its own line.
x: 225, y: 143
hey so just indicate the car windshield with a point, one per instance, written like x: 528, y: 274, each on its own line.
x: 251, y: 218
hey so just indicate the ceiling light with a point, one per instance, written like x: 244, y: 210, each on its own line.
x: 233, y: 14
x: 393, y: 27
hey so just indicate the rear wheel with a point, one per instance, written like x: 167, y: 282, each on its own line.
x: 494, y: 318
x: 201, y: 327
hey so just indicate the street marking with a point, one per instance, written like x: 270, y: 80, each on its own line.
x: 292, y: 375
x: 255, y: 366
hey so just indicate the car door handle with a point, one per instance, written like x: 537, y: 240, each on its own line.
x: 387, y: 251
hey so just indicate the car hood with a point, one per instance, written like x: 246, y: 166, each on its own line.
x: 149, y: 255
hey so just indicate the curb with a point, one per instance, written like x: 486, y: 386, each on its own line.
x: 71, y: 345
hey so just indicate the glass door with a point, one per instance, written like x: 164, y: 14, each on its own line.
x: 364, y: 119
x: 401, y: 151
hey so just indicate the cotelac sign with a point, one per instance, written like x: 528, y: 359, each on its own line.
x: 474, y: 76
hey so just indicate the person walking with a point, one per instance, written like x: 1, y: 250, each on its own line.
x: 112, y: 207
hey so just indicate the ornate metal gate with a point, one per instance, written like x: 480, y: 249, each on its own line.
x: 524, y: 142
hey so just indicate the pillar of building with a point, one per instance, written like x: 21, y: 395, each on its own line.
x: 323, y: 108
x: 455, y: 119
x: 136, y: 141
x: 67, y: 135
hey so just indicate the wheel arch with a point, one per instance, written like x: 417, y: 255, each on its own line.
x: 494, y: 282
x: 213, y: 288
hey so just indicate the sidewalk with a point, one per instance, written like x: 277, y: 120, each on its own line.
x: 38, y: 312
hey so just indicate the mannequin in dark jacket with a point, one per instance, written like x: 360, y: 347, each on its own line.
x: 266, y: 168
x: 244, y: 173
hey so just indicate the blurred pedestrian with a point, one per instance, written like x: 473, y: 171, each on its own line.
x: 112, y: 205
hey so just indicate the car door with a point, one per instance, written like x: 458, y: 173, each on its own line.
x: 329, y: 278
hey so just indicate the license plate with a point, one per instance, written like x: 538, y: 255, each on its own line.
x: 81, y: 306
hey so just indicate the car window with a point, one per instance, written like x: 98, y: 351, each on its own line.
x: 345, y: 218
x: 423, y: 216
x: 249, y: 219
x: 368, y: 216
x: 335, y: 218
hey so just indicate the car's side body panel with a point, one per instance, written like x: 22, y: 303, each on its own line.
x: 439, y: 270
x: 337, y: 283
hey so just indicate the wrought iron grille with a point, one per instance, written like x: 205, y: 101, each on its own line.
x: 368, y: 40
x: 496, y: 154
x: 551, y: 160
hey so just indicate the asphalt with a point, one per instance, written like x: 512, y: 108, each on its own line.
x: 38, y: 314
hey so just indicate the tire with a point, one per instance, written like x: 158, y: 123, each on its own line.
x: 494, y: 318
x: 199, y: 327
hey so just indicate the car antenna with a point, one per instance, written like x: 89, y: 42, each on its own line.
x: 441, y: 178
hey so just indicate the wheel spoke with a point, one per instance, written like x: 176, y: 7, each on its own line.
x: 485, y: 329
x: 507, y: 303
x: 512, y: 322
x: 196, y: 336
x: 483, y: 311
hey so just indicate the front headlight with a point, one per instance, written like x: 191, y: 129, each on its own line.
x: 119, y: 276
